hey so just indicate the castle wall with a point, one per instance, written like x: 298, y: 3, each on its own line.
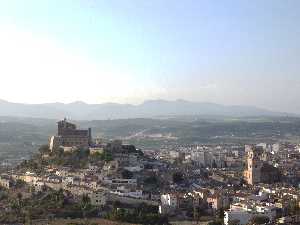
x: 68, y: 136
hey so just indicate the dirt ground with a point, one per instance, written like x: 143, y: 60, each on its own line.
x: 78, y: 222
x: 188, y: 223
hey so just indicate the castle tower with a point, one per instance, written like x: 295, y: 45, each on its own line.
x: 254, y: 165
x: 69, y: 136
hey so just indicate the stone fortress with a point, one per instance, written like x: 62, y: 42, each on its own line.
x: 69, y: 136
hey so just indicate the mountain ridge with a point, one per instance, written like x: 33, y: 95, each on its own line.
x: 79, y: 110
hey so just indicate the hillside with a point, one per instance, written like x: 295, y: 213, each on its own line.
x: 20, y: 137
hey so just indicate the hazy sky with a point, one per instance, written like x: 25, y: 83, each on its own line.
x: 230, y: 52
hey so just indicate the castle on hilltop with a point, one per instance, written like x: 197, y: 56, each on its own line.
x: 69, y: 136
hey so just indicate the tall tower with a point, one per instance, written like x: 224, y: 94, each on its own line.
x: 254, y: 165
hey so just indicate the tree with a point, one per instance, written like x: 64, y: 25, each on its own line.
x: 256, y: 220
x: 178, y: 177
x: 143, y: 214
x: 58, y: 152
x: 220, y: 213
x: 234, y: 222
x: 19, y: 197
x: 20, y: 183
x: 151, y: 180
x: 196, y: 213
x: 14, y: 205
x: 214, y: 164
x: 215, y: 223
x: 3, y: 195
x: 108, y: 157
x: 85, y: 204
x: 28, y: 216
x: 60, y: 197
x: 293, y: 207
x: 44, y: 149
x: 140, y: 152
x: 126, y: 174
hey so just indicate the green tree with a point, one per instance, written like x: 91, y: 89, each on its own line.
x: 107, y: 157
x: 20, y: 183
x: 256, y: 220
x: 151, y: 180
x: 126, y: 174
x: 85, y: 204
x: 178, y: 177
x: 58, y: 152
x: 44, y: 149
x: 19, y: 198
x: 293, y: 207
x: 220, y: 213
x: 234, y: 222
x: 216, y: 222
x: 59, y: 197
x: 28, y: 216
x: 196, y: 213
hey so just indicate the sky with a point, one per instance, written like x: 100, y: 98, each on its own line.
x: 243, y: 52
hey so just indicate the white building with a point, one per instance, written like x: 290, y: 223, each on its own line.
x: 276, y: 148
x: 198, y: 157
x: 30, y: 177
x: 98, y: 198
x: 119, y: 181
x: 123, y: 191
x: 68, y: 180
x: 263, y: 145
x: 169, y: 202
x: 241, y: 216
x: 39, y: 185
x: 5, y: 182
x: 244, y: 213
x: 138, y: 168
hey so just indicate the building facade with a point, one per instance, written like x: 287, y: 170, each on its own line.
x: 258, y: 170
x: 254, y: 165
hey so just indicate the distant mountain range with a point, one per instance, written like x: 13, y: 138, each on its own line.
x: 148, y: 109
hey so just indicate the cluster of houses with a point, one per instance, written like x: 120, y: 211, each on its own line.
x: 212, y: 178
x: 271, y: 201
x: 100, y: 184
